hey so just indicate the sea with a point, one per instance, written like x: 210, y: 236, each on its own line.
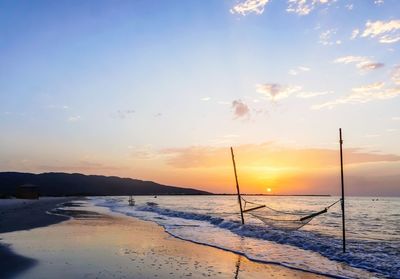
x: 372, y: 230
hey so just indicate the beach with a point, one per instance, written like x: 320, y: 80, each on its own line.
x: 83, y: 241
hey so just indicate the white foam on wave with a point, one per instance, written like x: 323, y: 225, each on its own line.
x: 300, y: 249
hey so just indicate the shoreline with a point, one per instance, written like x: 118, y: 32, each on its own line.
x: 95, y: 243
x: 309, y: 273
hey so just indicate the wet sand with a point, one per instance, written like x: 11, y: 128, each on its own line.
x: 17, y: 215
x: 97, y: 244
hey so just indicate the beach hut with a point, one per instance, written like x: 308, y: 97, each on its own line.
x: 27, y: 191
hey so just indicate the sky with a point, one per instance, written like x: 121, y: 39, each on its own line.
x: 159, y: 90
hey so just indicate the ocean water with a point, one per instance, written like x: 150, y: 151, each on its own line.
x: 372, y: 226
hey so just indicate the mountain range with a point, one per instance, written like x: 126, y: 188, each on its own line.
x: 65, y: 184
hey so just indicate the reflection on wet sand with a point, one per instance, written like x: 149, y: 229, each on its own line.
x: 15, y: 263
x: 238, y: 267
x: 95, y: 244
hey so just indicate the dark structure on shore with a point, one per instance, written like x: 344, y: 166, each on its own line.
x: 27, y: 191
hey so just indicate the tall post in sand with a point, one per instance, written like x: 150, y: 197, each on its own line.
x: 342, y: 182
x: 237, y: 187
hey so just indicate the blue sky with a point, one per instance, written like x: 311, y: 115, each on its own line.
x: 110, y: 87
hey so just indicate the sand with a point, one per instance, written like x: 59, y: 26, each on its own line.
x: 17, y: 215
x: 98, y: 244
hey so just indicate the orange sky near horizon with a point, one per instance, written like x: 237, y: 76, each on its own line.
x: 285, y: 170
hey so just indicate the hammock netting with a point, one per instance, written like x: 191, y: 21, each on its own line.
x: 281, y: 219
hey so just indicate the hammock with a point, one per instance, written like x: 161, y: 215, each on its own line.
x: 281, y: 219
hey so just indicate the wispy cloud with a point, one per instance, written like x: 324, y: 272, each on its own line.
x: 122, y: 114
x: 386, y: 32
x: 372, y: 66
x: 361, y: 62
x: 304, y: 7
x: 298, y: 70
x: 143, y: 152
x: 396, y: 75
x: 205, y: 99
x: 303, y: 68
x: 58, y: 107
x: 363, y: 94
x: 379, y: 2
x: 275, y: 91
x: 369, y: 87
x: 355, y: 33
x: 326, y: 38
x: 249, y: 6
x: 240, y: 109
x: 369, y: 92
x: 75, y: 118
x: 307, y: 95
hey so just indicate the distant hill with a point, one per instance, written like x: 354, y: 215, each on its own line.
x: 64, y: 184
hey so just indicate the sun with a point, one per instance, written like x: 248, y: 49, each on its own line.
x: 269, y: 190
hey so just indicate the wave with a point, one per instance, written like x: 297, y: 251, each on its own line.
x: 381, y: 259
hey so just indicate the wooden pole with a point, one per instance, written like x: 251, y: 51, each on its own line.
x: 342, y: 182
x: 237, y: 187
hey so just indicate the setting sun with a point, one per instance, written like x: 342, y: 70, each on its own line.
x: 269, y: 190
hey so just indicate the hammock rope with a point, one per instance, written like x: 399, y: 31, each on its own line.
x: 282, y: 219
